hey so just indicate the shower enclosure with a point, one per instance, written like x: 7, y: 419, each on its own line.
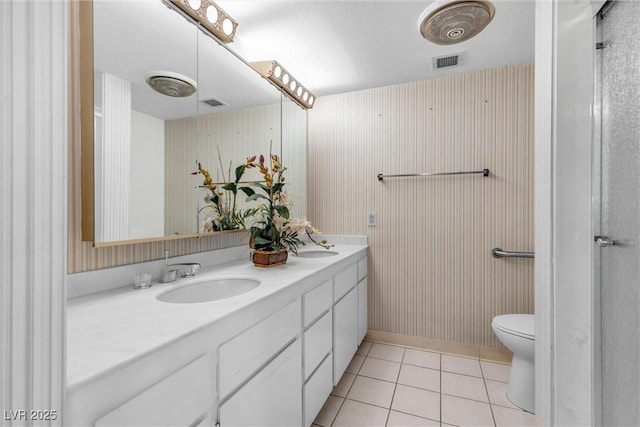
x: 616, y: 195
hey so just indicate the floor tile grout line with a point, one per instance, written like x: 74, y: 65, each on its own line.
x: 413, y: 415
x: 386, y: 360
x: 333, y: 420
x: 393, y: 396
x: 486, y: 389
x: 467, y: 398
x: 440, y: 394
x: 366, y: 403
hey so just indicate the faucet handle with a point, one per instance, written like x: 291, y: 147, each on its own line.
x: 192, y: 269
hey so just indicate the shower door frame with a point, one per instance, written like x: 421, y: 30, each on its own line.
x: 567, y: 389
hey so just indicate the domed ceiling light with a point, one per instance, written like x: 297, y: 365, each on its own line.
x: 211, y: 16
x: 171, y: 84
x: 456, y: 21
x: 282, y: 79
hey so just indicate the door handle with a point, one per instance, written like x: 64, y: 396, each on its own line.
x: 604, y: 241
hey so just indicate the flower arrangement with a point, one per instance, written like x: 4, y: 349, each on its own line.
x: 269, y: 223
x: 222, y: 213
x: 272, y: 229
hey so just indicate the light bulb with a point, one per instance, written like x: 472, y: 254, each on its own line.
x: 305, y: 96
x: 293, y: 85
x: 277, y: 72
x: 212, y: 14
x: 299, y: 92
x: 285, y: 78
x: 195, y: 4
x: 227, y: 26
x: 311, y: 99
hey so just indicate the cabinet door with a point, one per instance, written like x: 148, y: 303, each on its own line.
x: 180, y: 399
x: 272, y: 397
x: 344, y: 281
x: 345, y: 333
x: 317, y: 344
x: 316, y: 391
x: 245, y: 354
x: 362, y: 310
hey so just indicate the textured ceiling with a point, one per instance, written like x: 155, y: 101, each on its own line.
x: 340, y: 46
x: 329, y: 46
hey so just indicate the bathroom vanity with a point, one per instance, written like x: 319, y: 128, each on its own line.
x: 269, y: 356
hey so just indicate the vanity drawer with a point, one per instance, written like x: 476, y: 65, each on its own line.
x: 344, y: 281
x: 272, y: 397
x: 180, y: 399
x: 316, y: 391
x: 317, y: 343
x: 317, y: 302
x: 362, y: 269
x: 246, y: 353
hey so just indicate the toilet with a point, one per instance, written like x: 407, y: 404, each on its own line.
x: 517, y: 333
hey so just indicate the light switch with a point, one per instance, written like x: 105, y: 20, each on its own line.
x: 372, y: 219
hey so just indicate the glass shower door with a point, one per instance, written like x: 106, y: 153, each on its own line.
x: 617, y: 201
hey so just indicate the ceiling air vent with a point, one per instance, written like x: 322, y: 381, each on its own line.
x: 213, y: 102
x: 447, y: 61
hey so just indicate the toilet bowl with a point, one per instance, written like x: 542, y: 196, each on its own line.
x: 517, y: 333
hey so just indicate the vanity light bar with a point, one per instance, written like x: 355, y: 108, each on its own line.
x: 281, y: 78
x: 211, y: 16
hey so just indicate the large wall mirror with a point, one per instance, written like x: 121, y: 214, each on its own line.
x: 146, y: 144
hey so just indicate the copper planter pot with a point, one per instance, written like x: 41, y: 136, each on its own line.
x: 268, y: 259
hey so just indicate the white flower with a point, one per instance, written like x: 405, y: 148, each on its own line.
x: 283, y: 199
x: 302, y: 224
x: 207, y: 226
x: 279, y: 222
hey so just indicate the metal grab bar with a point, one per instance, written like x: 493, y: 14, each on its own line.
x: 484, y: 172
x: 499, y: 253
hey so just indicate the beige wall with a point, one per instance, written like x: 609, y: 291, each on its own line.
x: 431, y: 274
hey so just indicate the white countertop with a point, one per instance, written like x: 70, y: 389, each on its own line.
x: 108, y: 330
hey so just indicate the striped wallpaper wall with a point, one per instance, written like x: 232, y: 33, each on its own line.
x: 431, y: 274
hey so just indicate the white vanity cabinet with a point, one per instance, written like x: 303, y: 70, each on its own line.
x: 246, y: 353
x: 345, y: 333
x: 349, y: 315
x: 180, y: 399
x: 362, y: 299
x: 270, y: 398
x: 262, y: 384
x: 318, y: 344
x: 270, y: 362
x: 260, y: 374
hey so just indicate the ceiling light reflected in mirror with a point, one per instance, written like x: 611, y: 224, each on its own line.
x: 278, y: 76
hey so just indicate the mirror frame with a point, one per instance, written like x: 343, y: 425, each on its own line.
x: 86, y: 119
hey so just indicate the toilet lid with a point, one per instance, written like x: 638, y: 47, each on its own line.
x: 522, y: 325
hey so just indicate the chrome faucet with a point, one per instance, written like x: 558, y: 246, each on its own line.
x: 172, y: 271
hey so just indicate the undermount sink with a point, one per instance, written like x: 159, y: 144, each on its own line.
x: 316, y: 254
x: 208, y: 290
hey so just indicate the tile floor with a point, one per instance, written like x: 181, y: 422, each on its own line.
x: 387, y: 385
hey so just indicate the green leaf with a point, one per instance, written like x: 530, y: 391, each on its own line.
x: 247, y: 190
x: 264, y: 187
x: 230, y: 186
x: 256, y: 196
x: 260, y: 240
x: 239, y: 172
x: 278, y: 186
x: 283, y: 211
